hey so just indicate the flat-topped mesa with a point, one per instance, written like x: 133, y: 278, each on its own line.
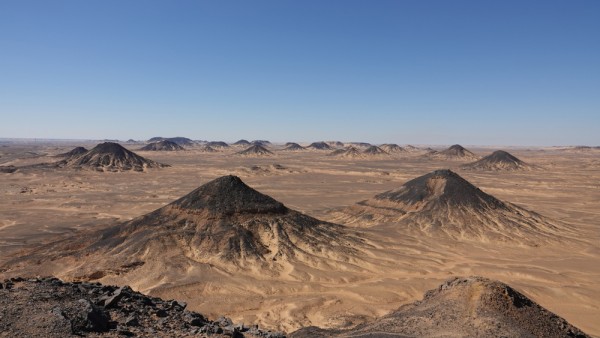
x: 255, y: 150
x: 498, y: 160
x: 442, y: 188
x: 164, y: 145
x: 110, y: 156
x: 462, y: 307
x: 228, y: 195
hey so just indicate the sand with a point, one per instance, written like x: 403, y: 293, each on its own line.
x: 38, y: 204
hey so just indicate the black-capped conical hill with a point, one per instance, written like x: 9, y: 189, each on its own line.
x: 164, y: 145
x: 444, y: 203
x: 498, y: 161
x: 109, y: 156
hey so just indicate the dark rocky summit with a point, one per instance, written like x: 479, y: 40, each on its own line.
x: 242, y: 142
x: 182, y: 141
x: 393, y: 148
x: 217, y: 144
x: 348, y: 152
x: 164, y: 145
x: 375, y: 150
x: 109, y: 156
x: 49, y: 307
x: 462, y: 307
x: 497, y: 161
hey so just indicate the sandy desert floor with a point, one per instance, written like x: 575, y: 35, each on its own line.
x: 38, y: 204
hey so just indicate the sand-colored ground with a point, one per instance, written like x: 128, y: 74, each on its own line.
x: 37, y: 204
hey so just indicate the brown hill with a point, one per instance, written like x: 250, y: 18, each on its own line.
x: 109, y: 156
x: 222, y: 223
x: 462, y: 307
x: 164, y: 145
x: 498, y: 161
x: 443, y: 203
x: 455, y: 152
x: 74, y: 152
x: 255, y: 150
x: 49, y: 307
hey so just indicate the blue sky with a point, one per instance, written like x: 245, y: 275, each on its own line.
x: 425, y: 72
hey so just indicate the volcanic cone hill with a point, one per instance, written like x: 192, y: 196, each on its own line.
x: 74, y: 152
x: 255, y: 150
x: 291, y: 146
x: 222, y: 223
x: 443, y: 203
x: 242, y: 142
x: 455, y: 152
x: 462, y: 307
x: 319, y: 146
x: 348, y: 152
x: 375, y: 151
x: 182, y: 141
x: 498, y: 161
x: 392, y: 148
x: 49, y: 307
x: 109, y: 156
x: 217, y: 144
x: 163, y: 145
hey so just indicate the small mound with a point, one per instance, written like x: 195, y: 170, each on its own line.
x: 291, y: 146
x: 109, y: 156
x: 348, y: 152
x: 455, y: 152
x: 242, y: 142
x: 393, y: 148
x: 217, y: 144
x: 462, y: 307
x: 498, y: 161
x: 375, y: 151
x: 263, y: 143
x: 207, y: 149
x: 8, y: 169
x: 319, y: 146
x: 255, y: 150
x: 163, y: 145
x: 336, y: 144
x: 75, y: 152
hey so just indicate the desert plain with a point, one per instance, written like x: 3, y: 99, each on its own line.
x: 40, y: 204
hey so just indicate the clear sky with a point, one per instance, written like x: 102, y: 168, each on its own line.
x: 403, y: 71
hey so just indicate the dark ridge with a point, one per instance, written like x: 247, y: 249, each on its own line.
x: 319, y: 146
x: 228, y: 195
x: 208, y: 149
x: 75, y: 152
x: 462, y: 307
x: 455, y: 191
x: 218, y: 144
x: 293, y: 146
x: 349, y: 151
x: 361, y: 144
x: 163, y: 145
x: 255, y: 150
x: 336, y: 144
x: 8, y: 169
x: 49, y: 307
x: 263, y: 143
x: 375, y: 150
x: 242, y: 142
x: 392, y: 148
